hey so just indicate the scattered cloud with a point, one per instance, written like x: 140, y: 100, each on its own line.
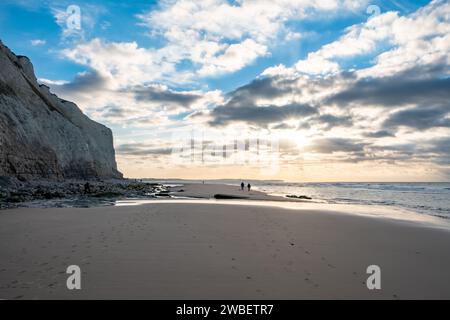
x: 260, y: 116
x: 391, y: 108
x: 395, y: 91
x: 37, y: 42
x: 163, y: 94
x: 421, y: 117
x: 332, y: 145
x: 142, y: 149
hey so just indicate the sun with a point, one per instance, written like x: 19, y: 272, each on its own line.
x: 296, y: 137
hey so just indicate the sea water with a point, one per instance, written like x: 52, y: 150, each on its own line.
x: 424, y: 198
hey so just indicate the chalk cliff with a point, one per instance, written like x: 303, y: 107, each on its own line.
x: 43, y: 136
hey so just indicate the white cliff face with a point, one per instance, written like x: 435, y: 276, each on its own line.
x: 42, y: 136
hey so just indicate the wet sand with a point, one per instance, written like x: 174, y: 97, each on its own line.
x: 169, y: 250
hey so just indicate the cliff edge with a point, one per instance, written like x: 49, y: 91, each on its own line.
x: 43, y: 136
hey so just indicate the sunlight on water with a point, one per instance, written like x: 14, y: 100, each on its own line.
x: 350, y: 209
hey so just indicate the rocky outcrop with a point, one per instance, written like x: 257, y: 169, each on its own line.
x: 43, y: 136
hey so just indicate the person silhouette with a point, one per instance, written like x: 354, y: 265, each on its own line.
x: 249, y: 186
x: 87, y: 188
x: 242, y: 185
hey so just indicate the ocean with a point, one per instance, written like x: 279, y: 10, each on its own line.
x: 425, y: 198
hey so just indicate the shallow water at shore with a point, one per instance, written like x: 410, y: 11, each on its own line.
x: 375, y: 211
x: 424, y: 198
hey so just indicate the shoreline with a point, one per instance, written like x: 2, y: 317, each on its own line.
x: 72, y: 193
x: 131, y: 192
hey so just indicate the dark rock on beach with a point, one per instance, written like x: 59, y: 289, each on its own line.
x: 299, y: 197
x: 15, y: 193
x: 227, y: 196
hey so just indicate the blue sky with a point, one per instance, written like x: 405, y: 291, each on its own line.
x: 316, y: 75
x: 24, y: 21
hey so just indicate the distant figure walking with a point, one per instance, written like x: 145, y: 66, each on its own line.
x: 249, y: 186
x: 242, y: 186
x: 87, y: 188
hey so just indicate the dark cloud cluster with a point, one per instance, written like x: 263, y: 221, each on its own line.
x: 330, y: 121
x: 425, y: 86
x: 141, y: 149
x: 164, y: 96
x: 85, y: 83
x: 113, y: 112
x: 379, y: 134
x: 333, y: 145
x: 242, y: 105
x: 260, y: 116
x: 420, y: 117
x: 264, y: 88
x: 394, y: 92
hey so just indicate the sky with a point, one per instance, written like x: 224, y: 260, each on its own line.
x: 295, y: 90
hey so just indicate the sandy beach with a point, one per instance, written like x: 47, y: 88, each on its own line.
x: 208, y: 191
x: 220, y: 250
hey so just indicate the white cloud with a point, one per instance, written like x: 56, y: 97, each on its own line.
x: 52, y: 82
x: 215, y: 36
x: 37, y: 42
x: 358, y: 40
x: 421, y: 38
x: 220, y: 36
x: 235, y: 57
x: 317, y: 65
x: 125, y: 63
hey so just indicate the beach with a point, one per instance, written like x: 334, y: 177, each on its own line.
x: 208, y: 249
